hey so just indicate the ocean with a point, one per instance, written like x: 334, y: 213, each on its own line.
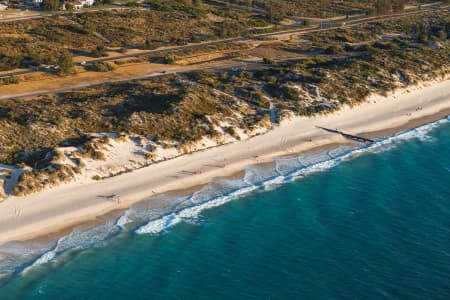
x: 369, y: 222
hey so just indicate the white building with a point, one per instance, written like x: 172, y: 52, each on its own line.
x: 77, y: 5
x: 82, y: 3
x: 87, y: 3
x: 3, y: 7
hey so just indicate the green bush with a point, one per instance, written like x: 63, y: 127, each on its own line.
x: 100, y: 67
x: 99, y: 51
x: 9, y: 80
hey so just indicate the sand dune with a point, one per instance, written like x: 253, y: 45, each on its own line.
x: 76, y: 202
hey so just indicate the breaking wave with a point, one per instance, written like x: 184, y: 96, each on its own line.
x: 158, y: 213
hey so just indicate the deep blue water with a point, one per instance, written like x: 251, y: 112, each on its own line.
x: 373, y: 227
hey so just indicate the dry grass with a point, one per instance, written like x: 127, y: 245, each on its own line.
x: 182, y: 109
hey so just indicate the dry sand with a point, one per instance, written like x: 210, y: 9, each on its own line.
x: 59, y: 208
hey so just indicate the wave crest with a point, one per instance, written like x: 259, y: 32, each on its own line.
x: 144, y: 218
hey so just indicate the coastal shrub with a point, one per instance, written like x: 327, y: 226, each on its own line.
x: 9, y: 80
x: 334, y: 49
x: 268, y: 61
x: 99, y: 51
x: 40, y: 41
x: 169, y: 59
x: 100, y: 67
x: 182, y: 109
x: 65, y: 63
x: 149, y: 45
x: 31, y: 181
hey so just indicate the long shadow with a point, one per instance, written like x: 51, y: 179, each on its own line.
x: 148, y: 102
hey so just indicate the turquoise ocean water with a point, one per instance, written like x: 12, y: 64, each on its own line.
x: 365, y: 223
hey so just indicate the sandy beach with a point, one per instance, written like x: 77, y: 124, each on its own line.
x: 56, y: 209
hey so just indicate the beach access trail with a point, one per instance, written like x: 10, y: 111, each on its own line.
x: 80, y: 201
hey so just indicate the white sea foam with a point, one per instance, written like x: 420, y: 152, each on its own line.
x: 256, y: 177
x: 173, y: 210
x: 159, y: 225
x: 45, y: 258
x: 13, y: 255
x: 77, y: 240
x: 123, y: 221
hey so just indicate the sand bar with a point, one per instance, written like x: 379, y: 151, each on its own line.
x: 59, y: 208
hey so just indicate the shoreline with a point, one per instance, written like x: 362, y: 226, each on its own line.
x: 51, y: 213
x: 114, y: 214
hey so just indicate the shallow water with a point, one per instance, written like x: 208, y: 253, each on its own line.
x: 366, y: 223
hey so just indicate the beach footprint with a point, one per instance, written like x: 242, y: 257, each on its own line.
x: 16, y: 212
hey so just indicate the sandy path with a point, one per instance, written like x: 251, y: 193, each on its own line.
x: 70, y: 204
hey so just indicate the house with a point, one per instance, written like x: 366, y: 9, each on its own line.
x: 77, y: 5
x: 88, y: 2
x: 82, y: 3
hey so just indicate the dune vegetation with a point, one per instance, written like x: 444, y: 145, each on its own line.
x: 319, y: 74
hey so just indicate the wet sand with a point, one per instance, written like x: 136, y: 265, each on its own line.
x: 57, y: 211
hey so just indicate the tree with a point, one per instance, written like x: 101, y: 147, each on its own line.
x: 65, y: 62
x: 249, y: 5
x: 223, y: 30
x: 50, y: 4
x: 101, y: 67
x: 442, y: 35
x: 383, y: 7
x: 149, y: 45
x: 99, y: 51
x: 268, y: 61
x: 270, y: 11
x: 398, y: 5
x: 90, y: 27
x: 198, y: 3
x: 98, y: 2
x: 169, y: 59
